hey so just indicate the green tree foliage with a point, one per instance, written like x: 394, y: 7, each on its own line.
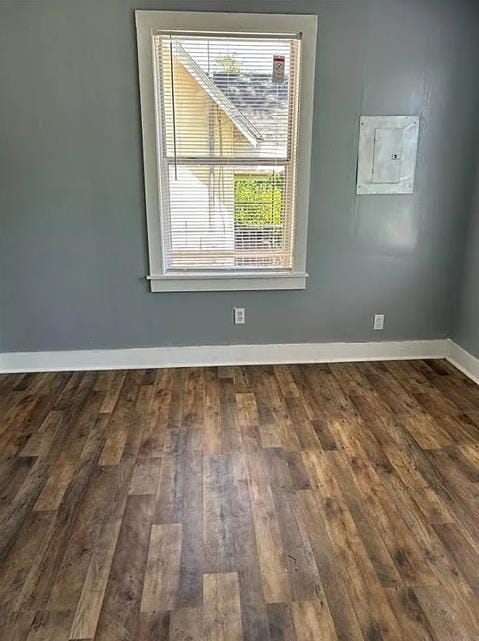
x: 228, y: 63
x: 258, y: 199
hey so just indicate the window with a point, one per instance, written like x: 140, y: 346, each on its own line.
x: 226, y: 112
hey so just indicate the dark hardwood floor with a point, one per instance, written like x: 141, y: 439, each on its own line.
x: 288, y: 503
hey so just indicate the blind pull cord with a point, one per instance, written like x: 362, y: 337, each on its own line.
x: 173, y: 107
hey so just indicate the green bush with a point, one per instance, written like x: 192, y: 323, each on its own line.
x: 258, y: 199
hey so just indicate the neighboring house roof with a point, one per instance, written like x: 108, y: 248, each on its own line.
x: 253, y: 91
x: 243, y: 124
x: 262, y: 101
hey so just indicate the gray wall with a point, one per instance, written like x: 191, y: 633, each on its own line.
x: 72, y: 230
x: 466, y: 331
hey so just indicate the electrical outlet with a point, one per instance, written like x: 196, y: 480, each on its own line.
x: 239, y: 316
x: 378, y: 321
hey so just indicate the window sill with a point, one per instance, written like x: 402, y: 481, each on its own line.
x: 226, y: 282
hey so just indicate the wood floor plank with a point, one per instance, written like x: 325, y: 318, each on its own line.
x: 365, y: 518
x: 445, y: 621
x: 272, y: 557
x: 422, y: 530
x: 341, y: 607
x: 230, y: 425
x: 50, y: 625
x: 19, y: 568
x: 169, y: 504
x: 118, y: 433
x: 187, y: 624
x: 312, y: 620
x: 154, y: 626
x: 360, y: 579
x: 146, y: 476
x: 104, y: 499
x: 281, y: 626
x: 248, y: 420
x: 222, y: 610
x: 66, y: 517
x: 253, y: 607
x: 175, y: 413
x: 409, y: 613
x: 113, y: 388
x: 258, y: 503
x: 301, y: 566
x: 212, y: 440
x: 40, y: 442
x: 163, y: 568
x: 15, y: 626
x: 56, y: 486
x: 13, y: 474
x: 194, y: 403
x: 120, y: 614
x: 464, y: 555
x: 155, y: 420
x: 218, y: 532
x: 91, y: 599
x: 410, y: 561
x: 190, y: 585
x: 68, y: 445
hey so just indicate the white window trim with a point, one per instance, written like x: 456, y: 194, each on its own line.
x: 146, y: 23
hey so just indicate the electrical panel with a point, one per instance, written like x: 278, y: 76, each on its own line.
x: 387, y: 154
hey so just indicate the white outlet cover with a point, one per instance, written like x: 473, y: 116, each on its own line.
x: 387, y: 154
x: 239, y: 315
x: 378, y: 321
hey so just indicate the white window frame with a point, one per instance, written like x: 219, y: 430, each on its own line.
x: 148, y: 22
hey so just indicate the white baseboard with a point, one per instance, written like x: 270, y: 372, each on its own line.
x: 466, y: 362
x: 204, y: 355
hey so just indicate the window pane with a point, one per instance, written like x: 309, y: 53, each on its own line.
x: 228, y: 217
x: 227, y: 132
x: 224, y: 100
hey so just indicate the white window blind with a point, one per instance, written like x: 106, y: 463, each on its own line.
x: 227, y: 130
